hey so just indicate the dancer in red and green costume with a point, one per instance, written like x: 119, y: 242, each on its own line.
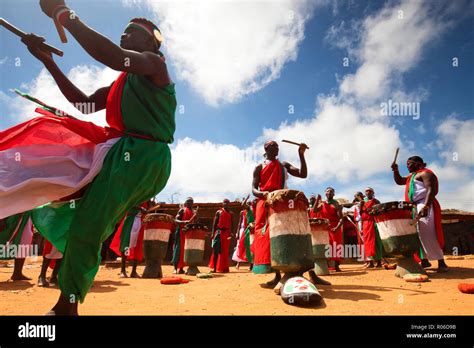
x: 421, y: 188
x: 372, y: 242
x: 185, y: 216
x: 267, y: 177
x: 221, y: 235
x: 140, y: 110
x: 332, y: 210
x: 128, y: 240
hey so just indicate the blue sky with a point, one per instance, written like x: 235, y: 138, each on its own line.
x: 312, y: 68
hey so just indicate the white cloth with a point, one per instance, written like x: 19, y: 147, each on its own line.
x: 137, y: 225
x: 38, y: 174
x: 426, y: 225
x: 241, y: 231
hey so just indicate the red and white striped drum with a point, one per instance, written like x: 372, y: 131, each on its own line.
x: 290, y: 236
x: 396, y: 228
x: 158, y: 228
x: 194, y: 245
x: 399, y: 235
x: 320, y: 241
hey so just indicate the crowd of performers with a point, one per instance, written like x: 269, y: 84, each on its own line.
x: 252, y: 240
x: 75, y: 181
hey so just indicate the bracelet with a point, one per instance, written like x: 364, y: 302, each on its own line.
x: 61, y: 13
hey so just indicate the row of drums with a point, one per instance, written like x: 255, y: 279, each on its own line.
x: 297, y: 244
x: 158, y: 228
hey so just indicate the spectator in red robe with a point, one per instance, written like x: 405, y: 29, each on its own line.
x: 221, y: 235
x: 372, y: 241
x: 185, y: 216
x: 332, y: 210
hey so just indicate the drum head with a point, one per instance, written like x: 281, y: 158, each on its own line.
x: 318, y: 221
x: 195, y: 226
x: 158, y: 217
x: 285, y: 195
x: 390, y: 206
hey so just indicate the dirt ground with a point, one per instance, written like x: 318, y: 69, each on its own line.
x: 354, y: 291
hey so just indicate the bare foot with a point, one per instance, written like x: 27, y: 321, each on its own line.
x: 272, y: 283
x: 123, y: 275
x: 64, y: 307
x: 317, y: 280
x: 134, y: 275
x: 42, y: 282
x: 20, y: 276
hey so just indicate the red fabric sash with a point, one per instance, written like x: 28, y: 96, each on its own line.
x: 436, y: 206
x: 113, y: 110
x: 224, y: 220
x: 271, y: 176
x: 364, y: 211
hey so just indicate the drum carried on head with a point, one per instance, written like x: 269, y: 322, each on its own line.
x: 194, y: 244
x: 399, y: 235
x: 290, y: 237
x: 158, y: 228
x: 320, y: 241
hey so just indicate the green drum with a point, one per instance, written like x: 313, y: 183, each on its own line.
x: 158, y: 228
x: 399, y: 235
x: 194, y: 244
x: 320, y: 241
x: 290, y: 236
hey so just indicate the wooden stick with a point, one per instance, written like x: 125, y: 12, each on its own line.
x: 292, y: 142
x: 22, y: 34
x: 153, y: 208
x: 396, y: 155
x: 60, y: 29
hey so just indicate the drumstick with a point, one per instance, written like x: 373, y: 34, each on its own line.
x: 153, y: 208
x: 60, y: 29
x: 357, y: 228
x: 396, y: 155
x: 292, y: 142
x: 22, y: 34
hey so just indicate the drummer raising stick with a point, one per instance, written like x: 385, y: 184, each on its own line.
x: 267, y: 177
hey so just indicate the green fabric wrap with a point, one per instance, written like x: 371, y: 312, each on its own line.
x: 134, y: 170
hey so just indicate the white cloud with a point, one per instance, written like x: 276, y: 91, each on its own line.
x: 209, y: 172
x: 43, y: 87
x: 458, y: 136
x: 228, y: 49
x: 349, y: 140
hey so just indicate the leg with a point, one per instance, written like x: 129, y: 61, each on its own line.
x: 442, y: 266
x: 18, y: 270
x: 216, y: 257
x: 54, y: 276
x: 42, y: 282
x: 134, y: 273
x: 64, y: 307
x: 123, y: 270
x: 337, y: 263
x: 425, y: 263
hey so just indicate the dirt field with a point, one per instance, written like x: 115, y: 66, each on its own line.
x: 353, y: 291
